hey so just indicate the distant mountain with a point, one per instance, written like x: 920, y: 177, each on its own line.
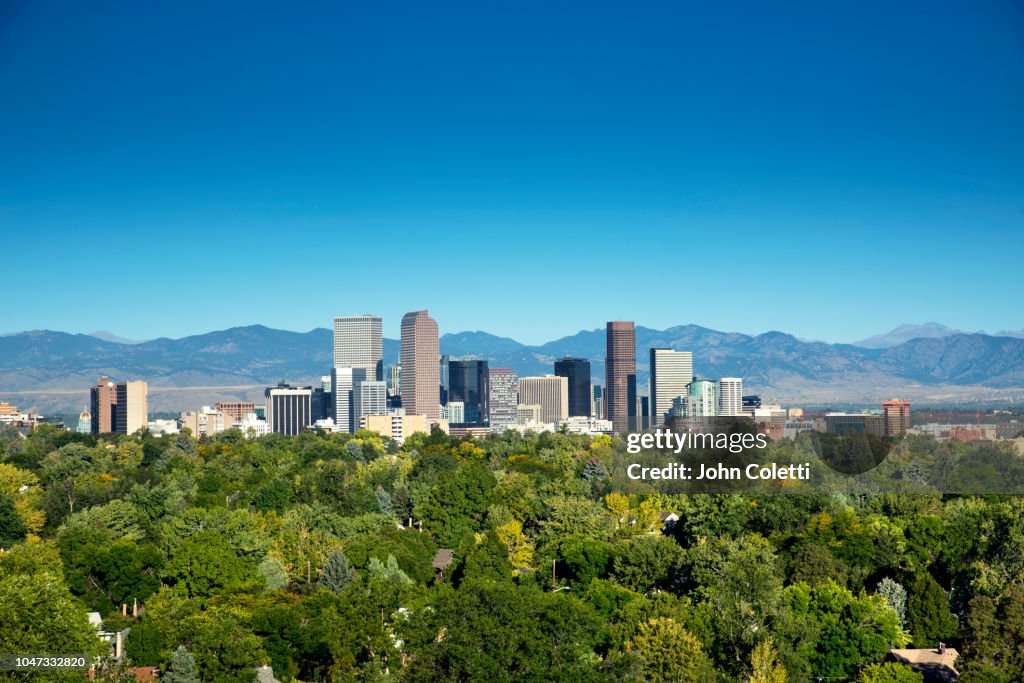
x: 905, y: 333
x: 52, y: 371
x: 107, y: 336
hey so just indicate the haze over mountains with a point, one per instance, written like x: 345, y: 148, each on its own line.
x: 52, y: 371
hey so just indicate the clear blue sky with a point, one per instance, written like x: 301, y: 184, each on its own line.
x: 829, y: 169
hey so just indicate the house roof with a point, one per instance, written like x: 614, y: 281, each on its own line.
x: 443, y: 558
x: 934, y: 665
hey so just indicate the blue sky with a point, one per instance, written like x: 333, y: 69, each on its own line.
x: 528, y: 169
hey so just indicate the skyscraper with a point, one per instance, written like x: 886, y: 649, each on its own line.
x: 102, y: 399
x: 358, y: 344
x: 344, y: 381
x: 577, y: 371
x: 896, y: 416
x: 442, y: 370
x: 702, y: 399
x: 368, y: 398
x: 620, y: 375
x: 467, y: 382
x: 288, y: 409
x: 502, y: 396
x: 131, y: 411
x: 84, y: 422
x: 730, y: 396
x: 671, y: 373
x: 550, y: 393
x: 420, y: 365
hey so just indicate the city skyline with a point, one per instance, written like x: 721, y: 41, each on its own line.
x: 824, y: 165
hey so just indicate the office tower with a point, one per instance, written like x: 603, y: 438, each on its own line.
x: 442, y: 375
x: 358, y: 344
x: 84, y: 422
x: 420, y: 365
x: 577, y: 371
x: 620, y: 375
x: 234, y: 411
x: 751, y: 402
x: 643, y: 412
x: 454, y: 412
x: 527, y: 414
x: 502, y: 396
x: 130, y: 411
x: 467, y: 382
x: 597, y: 403
x: 343, y: 382
x: 550, y: 393
x: 394, y: 383
x: 896, y: 416
x: 671, y: 373
x: 288, y: 408
x: 102, y: 399
x: 368, y: 398
x: 321, y: 404
x: 702, y: 400
x: 730, y: 396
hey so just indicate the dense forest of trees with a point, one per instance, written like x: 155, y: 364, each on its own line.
x: 315, y: 554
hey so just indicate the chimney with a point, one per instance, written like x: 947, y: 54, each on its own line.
x: 135, y: 608
x: 124, y: 609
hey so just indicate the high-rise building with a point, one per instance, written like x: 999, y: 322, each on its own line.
x: 502, y: 396
x: 368, y: 398
x: 896, y: 416
x: 730, y: 396
x: 343, y: 383
x: 358, y: 344
x: 701, y: 399
x: 420, y: 365
x: 84, y: 422
x: 234, y: 411
x: 643, y: 412
x: 394, y: 382
x: 131, y: 412
x: 597, y: 403
x: 442, y: 374
x: 102, y: 399
x: 467, y: 382
x: 577, y: 371
x: 550, y: 393
x: 620, y: 375
x: 454, y: 412
x: 288, y: 409
x: 671, y: 374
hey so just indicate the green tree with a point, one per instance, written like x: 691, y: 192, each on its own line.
x: 668, y: 652
x: 764, y: 664
x: 182, y: 668
x: 889, y: 673
x: 929, y: 618
x: 204, y: 564
x: 12, y: 526
x: 337, y: 573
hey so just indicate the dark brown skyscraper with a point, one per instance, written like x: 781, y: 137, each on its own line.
x: 620, y: 375
x: 103, y: 404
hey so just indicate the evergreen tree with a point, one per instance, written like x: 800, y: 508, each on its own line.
x: 182, y: 668
x: 896, y: 595
x: 337, y: 573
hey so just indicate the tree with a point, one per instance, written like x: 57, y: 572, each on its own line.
x: 518, y: 546
x: 182, y: 668
x: 889, y: 673
x: 42, y: 617
x: 273, y: 572
x: 337, y: 573
x: 929, y: 618
x: 896, y: 595
x: 764, y: 664
x: 12, y: 526
x: 668, y: 652
x: 204, y: 564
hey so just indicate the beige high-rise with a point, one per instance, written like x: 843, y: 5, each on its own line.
x: 358, y: 344
x: 551, y: 393
x: 132, y: 407
x: 420, y: 380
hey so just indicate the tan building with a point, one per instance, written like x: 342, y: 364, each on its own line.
x: 527, y: 414
x: 421, y: 372
x: 551, y: 393
x: 398, y: 427
x: 896, y: 416
x: 620, y: 375
x: 132, y: 410
x: 234, y: 411
x: 206, y: 422
x: 102, y: 399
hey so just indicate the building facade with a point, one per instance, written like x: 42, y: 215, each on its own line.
x: 896, y: 416
x: 288, y: 409
x: 467, y: 383
x: 730, y: 396
x: 502, y: 396
x: 420, y: 365
x: 671, y: 374
x: 550, y: 393
x: 620, y: 375
x: 358, y: 343
x: 577, y: 372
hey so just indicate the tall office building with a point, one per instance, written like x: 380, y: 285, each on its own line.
x: 730, y: 396
x: 577, y: 371
x: 102, y: 399
x: 896, y: 416
x: 420, y: 365
x: 131, y: 412
x: 343, y: 383
x: 597, y: 403
x: 502, y: 396
x: 620, y: 375
x: 442, y: 375
x: 394, y: 383
x: 467, y: 382
x: 368, y: 398
x: 358, y: 344
x: 234, y: 411
x: 701, y: 399
x: 288, y: 409
x: 671, y: 373
x: 550, y: 393
x: 84, y: 422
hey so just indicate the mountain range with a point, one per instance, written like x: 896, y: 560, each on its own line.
x: 52, y: 371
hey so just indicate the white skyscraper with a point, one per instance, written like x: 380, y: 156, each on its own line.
x: 358, y: 343
x: 343, y: 381
x: 671, y: 373
x: 368, y: 398
x: 730, y: 396
x: 549, y: 392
